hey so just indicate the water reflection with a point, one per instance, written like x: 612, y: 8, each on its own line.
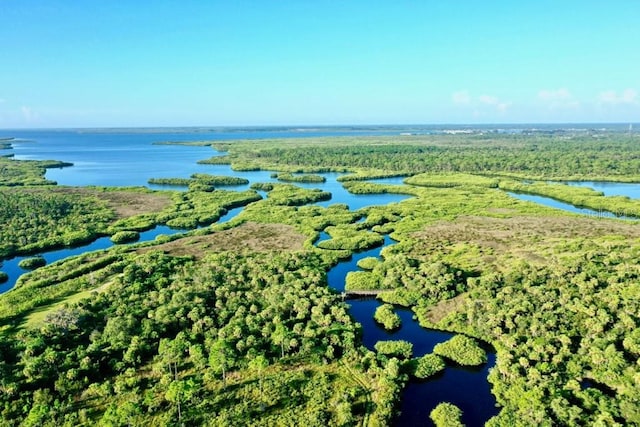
x: 467, y: 388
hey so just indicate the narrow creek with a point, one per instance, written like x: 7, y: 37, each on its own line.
x: 557, y: 204
x: 467, y: 388
x: 14, y: 271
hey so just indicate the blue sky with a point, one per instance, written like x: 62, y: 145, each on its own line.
x: 215, y: 63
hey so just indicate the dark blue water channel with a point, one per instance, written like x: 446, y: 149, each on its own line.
x: 126, y: 158
x: 14, y: 271
x: 130, y: 158
x: 467, y: 388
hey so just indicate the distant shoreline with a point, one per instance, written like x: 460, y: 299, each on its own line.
x: 611, y: 127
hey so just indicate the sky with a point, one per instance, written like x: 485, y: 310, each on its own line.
x: 91, y: 63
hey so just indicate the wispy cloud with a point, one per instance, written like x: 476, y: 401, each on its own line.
x: 461, y: 97
x: 558, y: 98
x: 28, y: 114
x: 612, y: 97
x: 493, y: 101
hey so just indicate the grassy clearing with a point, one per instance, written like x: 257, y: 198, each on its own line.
x: 249, y: 236
x: 37, y: 316
x: 534, y: 239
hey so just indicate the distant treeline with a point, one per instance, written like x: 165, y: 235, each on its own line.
x: 616, y: 157
x: 200, y: 178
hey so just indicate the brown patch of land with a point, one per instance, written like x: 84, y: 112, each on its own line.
x: 439, y: 311
x: 124, y: 203
x: 480, y: 243
x: 521, y: 231
x: 128, y: 204
x: 249, y: 236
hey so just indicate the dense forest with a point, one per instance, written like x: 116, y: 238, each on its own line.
x: 234, y: 324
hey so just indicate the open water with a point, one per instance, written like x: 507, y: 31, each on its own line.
x: 128, y: 158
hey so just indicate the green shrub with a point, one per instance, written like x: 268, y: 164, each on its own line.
x: 183, y: 182
x: 125, y: 237
x: 361, y: 281
x: 308, y: 178
x: 32, y: 263
x: 446, y: 415
x: 397, y: 348
x: 462, y: 350
x: 385, y: 316
x: 201, y: 186
x: 219, y: 179
x: 368, y: 263
x: 428, y: 365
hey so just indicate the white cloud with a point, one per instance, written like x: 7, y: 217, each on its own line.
x: 558, y: 98
x: 561, y: 94
x: 28, y: 114
x: 461, y: 97
x: 627, y: 96
x: 501, y: 106
x: 488, y: 100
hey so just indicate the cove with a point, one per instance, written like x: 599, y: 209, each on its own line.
x: 609, y: 188
x: 92, y: 169
x: 467, y: 388
x: 553, y: 203
x: 13, y: 270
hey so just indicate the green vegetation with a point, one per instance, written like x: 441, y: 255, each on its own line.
x: 3, y: 277
x: 446, y: 415
x: 291, y: 195
x: 578, y: 196
x: 35, y: 219
x: 451, y: 180
x: 385, y: 316
x: 308, y: 178
x: 397, y: 348
x: 350, y: 237
x: 26, y: 172
x: 32, y: 263
x: 189, y: 209
x: 366, y: 174
x: 125, y: 237
x: 570, y: 157
x: 462, y: 350
x: 428, y: 365
x: 200, y: 179
x: 219, y: 179
x: 368, y: 263
x: 207, y: 341
x: 234, y: 324
x: 181, y: 182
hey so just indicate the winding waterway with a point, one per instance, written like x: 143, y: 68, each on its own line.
x: 125, y: 159
x: 467, y: 388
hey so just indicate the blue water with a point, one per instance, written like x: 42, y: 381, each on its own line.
x: 467, y: 388
x: 130, y: 158
x: 631, y: 190
x: 12, y: 269
x: 553, y: 203
x: 126, y: 158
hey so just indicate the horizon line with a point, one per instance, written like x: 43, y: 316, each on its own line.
x: 313, y: 126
